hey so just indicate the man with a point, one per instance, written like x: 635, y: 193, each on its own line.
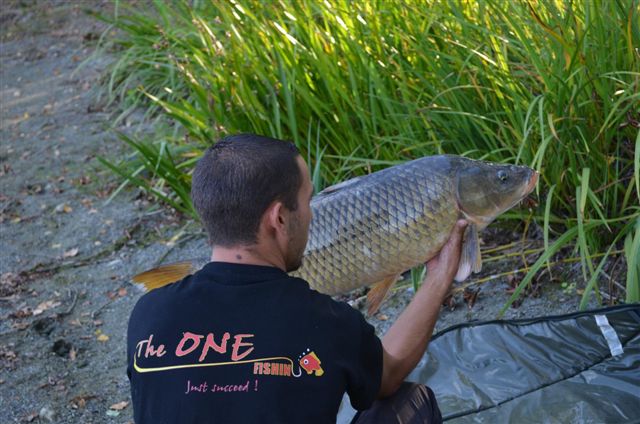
x: 241, y: 341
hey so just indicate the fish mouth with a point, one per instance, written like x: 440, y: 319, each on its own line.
x: 533, y: 180
x: 526, y: 198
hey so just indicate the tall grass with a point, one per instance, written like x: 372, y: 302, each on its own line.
x: 363, y: 84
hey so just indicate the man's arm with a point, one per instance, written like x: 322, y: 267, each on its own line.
x: 406, y: 341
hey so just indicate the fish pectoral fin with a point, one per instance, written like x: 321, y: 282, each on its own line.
x: 378, y: 293
x: 163, y: 275
x: 470, y: 256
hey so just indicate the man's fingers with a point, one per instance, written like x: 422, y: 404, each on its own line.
x: 458, y: 231
x: 449, y: 256
x: 454, y: 242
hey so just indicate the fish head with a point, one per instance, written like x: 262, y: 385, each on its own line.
x: 486, y: 189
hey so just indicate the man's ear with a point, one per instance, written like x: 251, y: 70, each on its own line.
x: 275, y: 218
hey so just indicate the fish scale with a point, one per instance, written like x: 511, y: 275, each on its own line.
x: 381, y: 225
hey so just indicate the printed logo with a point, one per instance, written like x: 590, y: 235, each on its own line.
x: 310, y: 362
x: 192, y: 346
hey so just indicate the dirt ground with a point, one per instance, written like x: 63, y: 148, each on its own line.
x: 67, y: 255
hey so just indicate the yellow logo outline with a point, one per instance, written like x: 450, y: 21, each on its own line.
x: 213, y: 364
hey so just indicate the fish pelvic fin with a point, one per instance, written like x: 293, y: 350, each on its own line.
x: 378, y: 293
x: 163, y: 275
x: 470, y: 256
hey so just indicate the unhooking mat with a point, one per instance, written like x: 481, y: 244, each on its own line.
x: 578, y: 368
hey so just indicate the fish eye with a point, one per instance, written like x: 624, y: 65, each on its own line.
x: 502, y: 175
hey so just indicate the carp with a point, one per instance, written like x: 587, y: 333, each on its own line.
x: 368, y: 230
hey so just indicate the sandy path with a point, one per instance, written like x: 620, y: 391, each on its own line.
x: 66, y: 256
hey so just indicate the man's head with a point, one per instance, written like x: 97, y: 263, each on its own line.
x: 246, y: 179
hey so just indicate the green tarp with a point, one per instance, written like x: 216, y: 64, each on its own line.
x: 577, y: 368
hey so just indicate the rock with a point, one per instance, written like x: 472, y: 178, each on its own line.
x: 47, y: 413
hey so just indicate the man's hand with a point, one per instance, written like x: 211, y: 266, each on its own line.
x: 444, y: 265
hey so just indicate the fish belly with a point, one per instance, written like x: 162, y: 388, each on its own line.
x: 383, y: 225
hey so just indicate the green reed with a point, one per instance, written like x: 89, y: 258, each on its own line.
x: 359, y: 85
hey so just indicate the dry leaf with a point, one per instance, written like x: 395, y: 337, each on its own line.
x: 470, y: 296
x: 70, y: 253
x: 20, y: 325
x: 119, y: 406
x: 63, y: 207
x: 449, y: 302
x: 103, y: 338
x: 47, y: 304
x: 81, y: 401
x: 21, y: 313
x: 122, y: 292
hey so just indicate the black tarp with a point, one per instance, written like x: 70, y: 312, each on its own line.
x: 577, y: 368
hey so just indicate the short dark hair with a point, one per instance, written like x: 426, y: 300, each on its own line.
x: 237, y: 179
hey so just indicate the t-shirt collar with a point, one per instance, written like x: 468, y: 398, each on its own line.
x: 232, y: 273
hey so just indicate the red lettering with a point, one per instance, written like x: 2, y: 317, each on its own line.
x: 237, y: 344
x: 195, y: 340
x: 257, y: 367
x: 149, y: 349
x: 210, y: 343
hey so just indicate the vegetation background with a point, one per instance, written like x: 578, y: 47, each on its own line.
x: 360, y: 85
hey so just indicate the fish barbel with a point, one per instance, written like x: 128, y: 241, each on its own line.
x: 369, y: 230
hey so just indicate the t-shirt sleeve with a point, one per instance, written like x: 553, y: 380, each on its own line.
x: 366, y: 375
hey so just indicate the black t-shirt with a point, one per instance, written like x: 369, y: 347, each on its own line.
x: 247, y: 344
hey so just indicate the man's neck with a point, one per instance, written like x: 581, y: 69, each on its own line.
x: 248, y: 255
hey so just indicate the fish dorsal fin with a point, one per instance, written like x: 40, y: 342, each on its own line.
x: 163, y: 275
x: 378, y: 293
x: 340, y: 186
x: 470, y: 257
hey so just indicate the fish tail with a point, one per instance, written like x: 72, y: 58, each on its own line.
x: 163, y: 275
